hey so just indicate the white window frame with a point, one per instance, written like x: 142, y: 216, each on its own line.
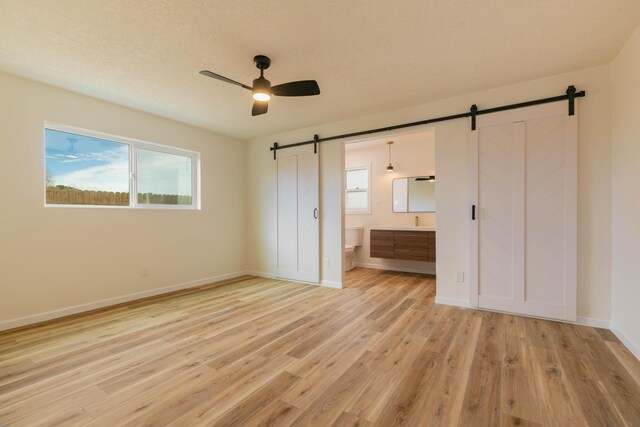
x: 363, y: 211
x: 134, y: 145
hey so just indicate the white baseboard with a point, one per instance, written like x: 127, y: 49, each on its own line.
x: 593, y: 322
x: 633, y: 347
x: 324, y: 283
x: 585, y: 321
x: 261, y: 274
x: 452, y: 301
x: 394, y: 268
x: 54, y: 314
x: 331, y: 284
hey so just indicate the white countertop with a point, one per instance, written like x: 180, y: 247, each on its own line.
x: 414, y: 228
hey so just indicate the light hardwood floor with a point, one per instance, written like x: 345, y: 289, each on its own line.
x: 269, y: 352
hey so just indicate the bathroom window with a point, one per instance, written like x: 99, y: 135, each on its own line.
x: 85, y: 168
x: 357, y: 194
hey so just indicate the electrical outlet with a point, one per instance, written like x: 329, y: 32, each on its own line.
x: 144, y: 272
x: 327, y: 263
x: 459, y: 276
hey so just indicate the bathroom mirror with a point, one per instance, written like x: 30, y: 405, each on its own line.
x: 414, y: 194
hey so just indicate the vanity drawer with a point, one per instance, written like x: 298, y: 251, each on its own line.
x: 411, y: 254
x: 411, y: 245
x: 382, y: 243
x: 412, y: 239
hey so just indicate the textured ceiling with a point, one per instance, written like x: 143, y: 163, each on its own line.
x: 368, y: 55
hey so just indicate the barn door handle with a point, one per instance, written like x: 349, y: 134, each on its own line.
x: 473, y: 212
x: 315, y: 213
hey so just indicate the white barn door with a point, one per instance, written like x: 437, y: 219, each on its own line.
x: 298, y: 223
x: 524, y: 188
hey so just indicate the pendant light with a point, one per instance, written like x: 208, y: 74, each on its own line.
x: 389, y: 166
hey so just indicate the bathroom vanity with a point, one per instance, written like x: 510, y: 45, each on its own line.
x: 408, y: 243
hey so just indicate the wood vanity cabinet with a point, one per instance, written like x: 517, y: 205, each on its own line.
x: 403, y: 244
x: 382, y: 243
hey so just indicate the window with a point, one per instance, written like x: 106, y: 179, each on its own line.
x: 358, y: 197
x: 90, y: 169
x: 164, y: 178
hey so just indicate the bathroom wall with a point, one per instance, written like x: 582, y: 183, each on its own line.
x: 412, y: 155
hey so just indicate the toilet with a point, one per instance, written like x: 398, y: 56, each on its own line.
x: 352, y: 240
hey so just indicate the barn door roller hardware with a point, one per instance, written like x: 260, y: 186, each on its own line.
x: 570, y: 96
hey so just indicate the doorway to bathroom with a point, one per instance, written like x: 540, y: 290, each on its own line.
x: 390, y: 212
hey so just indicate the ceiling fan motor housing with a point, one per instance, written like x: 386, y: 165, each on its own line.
x: 261, y: 85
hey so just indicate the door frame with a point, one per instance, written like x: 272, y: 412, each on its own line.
x: 373, y: 137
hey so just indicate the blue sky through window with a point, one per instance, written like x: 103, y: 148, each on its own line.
x: 86, y: 163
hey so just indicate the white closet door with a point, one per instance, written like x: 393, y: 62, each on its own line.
x: 287, y: 216
x: 308, y: 222
x: 524, y: 187
x: 298, y: 223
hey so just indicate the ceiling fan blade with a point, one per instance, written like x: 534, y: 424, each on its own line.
x: 224, y: 79
x: 259, y: 107
x: 299, y: 88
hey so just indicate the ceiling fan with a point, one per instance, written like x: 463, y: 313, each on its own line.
x: 262, y: 89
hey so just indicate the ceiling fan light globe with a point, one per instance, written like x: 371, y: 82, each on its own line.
x: 261, y: 96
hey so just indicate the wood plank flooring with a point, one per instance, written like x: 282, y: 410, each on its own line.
x: 264, y: 352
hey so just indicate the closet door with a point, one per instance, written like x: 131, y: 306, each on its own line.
x: 524, y: 187
x: 298, y: 223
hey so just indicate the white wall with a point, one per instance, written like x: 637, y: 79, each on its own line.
x: 625, y: 113
x: 594, y: 182
x: 412, y: 155
x: 56, y: 258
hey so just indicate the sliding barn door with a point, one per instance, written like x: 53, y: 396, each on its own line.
x: 298, y: 224
x: 524, y: 188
